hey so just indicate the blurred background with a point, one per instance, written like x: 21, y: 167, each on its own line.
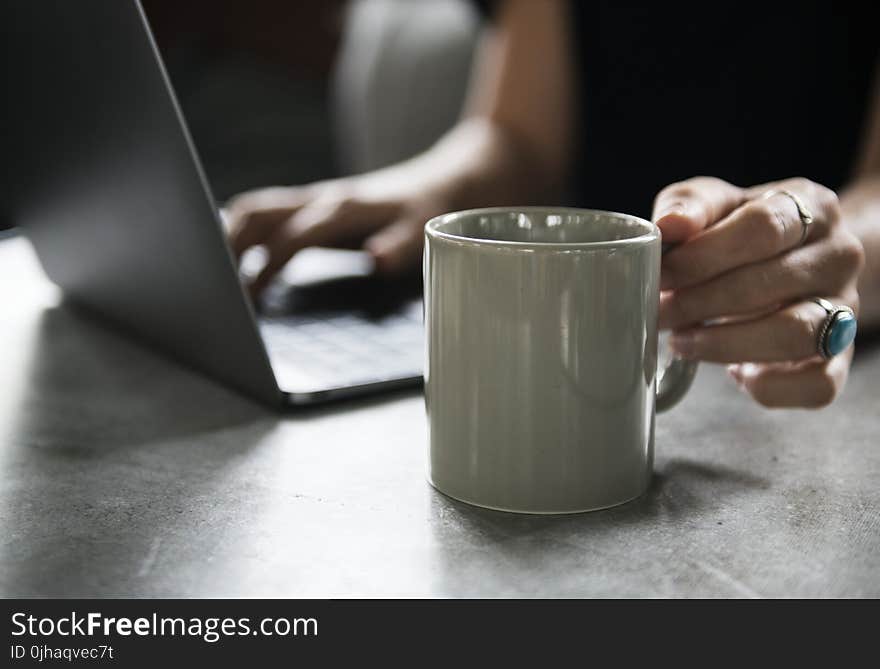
x: 278, y: 92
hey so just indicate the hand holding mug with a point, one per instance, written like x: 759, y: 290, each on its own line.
x: 541, y: 377
x: 752, y: 280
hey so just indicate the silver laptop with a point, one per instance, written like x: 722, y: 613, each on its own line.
x: 107, y: 185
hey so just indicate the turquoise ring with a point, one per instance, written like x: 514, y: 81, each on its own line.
x: 837, y: 331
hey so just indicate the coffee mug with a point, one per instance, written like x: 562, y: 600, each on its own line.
x: 541, y: 367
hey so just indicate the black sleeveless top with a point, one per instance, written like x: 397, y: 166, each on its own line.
x: 746, y: 91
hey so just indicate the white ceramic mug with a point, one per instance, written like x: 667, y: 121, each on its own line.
x: 541, y: 367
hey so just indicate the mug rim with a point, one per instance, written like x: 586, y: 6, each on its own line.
x: 432, y: 229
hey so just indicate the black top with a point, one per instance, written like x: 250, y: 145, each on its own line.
x: 749, y: 92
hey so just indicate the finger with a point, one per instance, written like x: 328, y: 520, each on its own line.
x: 759, y: 229
x: 320, y: 223
x: 255, y: 228
x: 789, y: 334
x: 817, y: 269
x: 824, y: 201
x: 254, y: 216
x: 274, y: 197
x: 396, y: 247
x: 812, y: 384
x: 340, y: 222
x: 685, y: 208
x: 277, y: 255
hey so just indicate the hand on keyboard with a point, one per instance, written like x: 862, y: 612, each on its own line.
x: 384, y: 212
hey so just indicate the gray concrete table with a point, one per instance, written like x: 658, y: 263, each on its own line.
x: 122, y: 474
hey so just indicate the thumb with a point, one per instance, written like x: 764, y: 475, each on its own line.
x: 688, y: 207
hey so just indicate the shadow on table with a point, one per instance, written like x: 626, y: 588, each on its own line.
x: 100, y: 446
x: 514, y: 549
x: 674, y: 493
x: 107, y: 452
x: 84, y: 383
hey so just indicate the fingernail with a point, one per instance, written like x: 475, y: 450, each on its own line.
x: 664, y: 315
x: 676, y: 209
x: 683, y: 344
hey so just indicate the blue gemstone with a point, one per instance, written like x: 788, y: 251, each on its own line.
x: 843, y: 331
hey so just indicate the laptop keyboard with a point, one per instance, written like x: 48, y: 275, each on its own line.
x: 316, y: 352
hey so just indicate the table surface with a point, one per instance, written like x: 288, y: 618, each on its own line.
x: 123, y: 474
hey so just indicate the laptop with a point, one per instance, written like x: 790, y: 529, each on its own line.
x: 108, y: 187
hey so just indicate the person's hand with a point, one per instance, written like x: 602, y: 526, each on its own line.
x: 384, y: 212
x: 736, y: 287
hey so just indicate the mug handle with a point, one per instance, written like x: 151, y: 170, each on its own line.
x: 674, y: 380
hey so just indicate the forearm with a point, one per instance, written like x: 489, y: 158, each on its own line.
x: 476, y: 164
x: 860, y: 203
x: 512, y: 145
x: 480, y: 163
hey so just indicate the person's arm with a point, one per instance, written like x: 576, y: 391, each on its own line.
x: 510, y: 147
x: 860, y: 204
